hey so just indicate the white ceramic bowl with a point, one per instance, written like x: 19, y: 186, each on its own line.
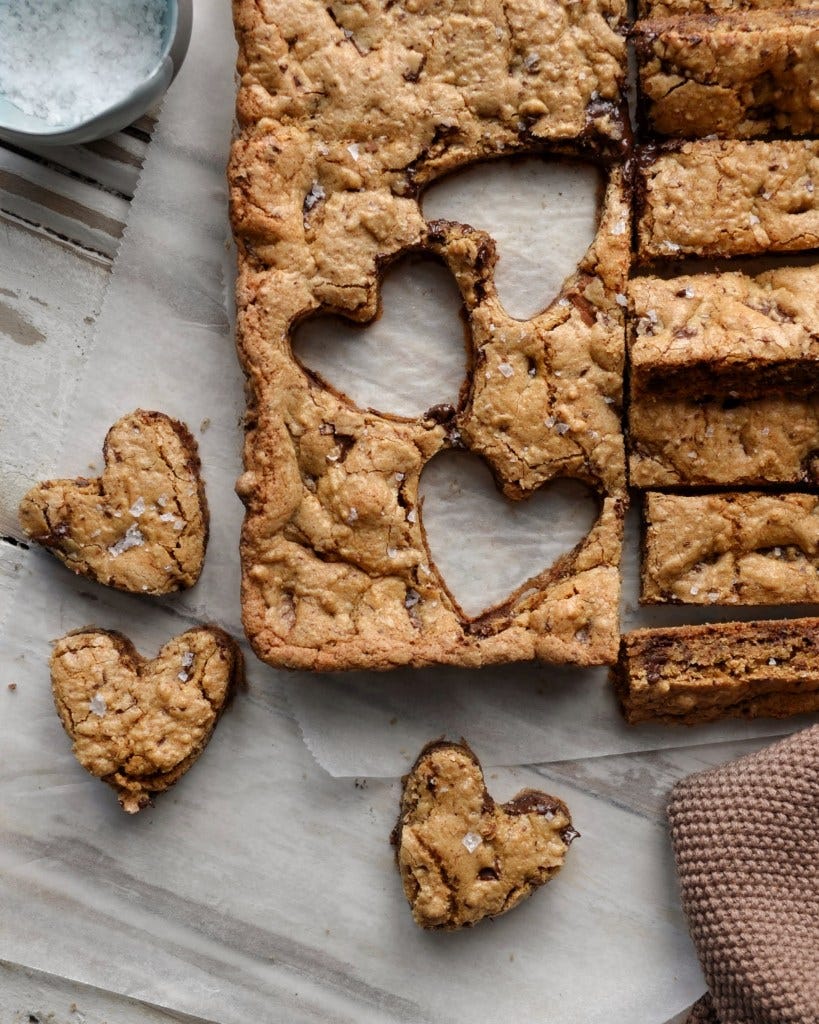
x: 23, y: 129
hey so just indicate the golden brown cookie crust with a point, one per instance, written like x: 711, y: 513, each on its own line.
x: 461, y: 856
x: 747, y: 548
x: 324, y: 192
x: 142, y: 526
x: 140, y: 724
x: 737, y: 75
x: 728, y: 198
x: 695, y: 674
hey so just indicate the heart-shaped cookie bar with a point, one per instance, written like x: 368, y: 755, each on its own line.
x: 462, y: 857
x: 138, y: 724
x: 142, y: 526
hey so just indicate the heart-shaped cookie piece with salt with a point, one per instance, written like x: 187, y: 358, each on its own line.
x: 142, y: 525
x: 140, y: 724
x: 462, y: 857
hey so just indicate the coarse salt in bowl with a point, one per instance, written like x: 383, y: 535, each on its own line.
x: 76, y: 70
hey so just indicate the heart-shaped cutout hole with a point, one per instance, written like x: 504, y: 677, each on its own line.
x: 142, y: 526
x: 137, y: 724
x: 412, y: 357
x: 542, y: 214
x: 486, y: 546
x: 462, y: 857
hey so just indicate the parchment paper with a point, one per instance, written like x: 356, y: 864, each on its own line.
x: 262, y: 887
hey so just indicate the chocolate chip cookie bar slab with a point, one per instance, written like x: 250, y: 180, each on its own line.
x: 346, y: 114
x: 726, y: 334
x: 747, y: 548
x: 681, y: 442
x: 695, y: 674
x: 740, y: 75
x: 727, y: 198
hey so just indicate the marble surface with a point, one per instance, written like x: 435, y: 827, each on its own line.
x: 261, y: 887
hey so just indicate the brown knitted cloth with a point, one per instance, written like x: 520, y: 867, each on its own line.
x: 746, y: 840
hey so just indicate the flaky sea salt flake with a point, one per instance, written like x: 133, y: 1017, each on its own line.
x: 315, y: 195
x: 133, y: 539
x: 472, y: 841
x: 97, y: 705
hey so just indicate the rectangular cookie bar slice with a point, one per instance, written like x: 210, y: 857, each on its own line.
x: 726, y: 334
x: 683, y: 442
x: 728, y: 198
x: 695, y: 674
x: 739, y: 75
x: 747, y: 548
